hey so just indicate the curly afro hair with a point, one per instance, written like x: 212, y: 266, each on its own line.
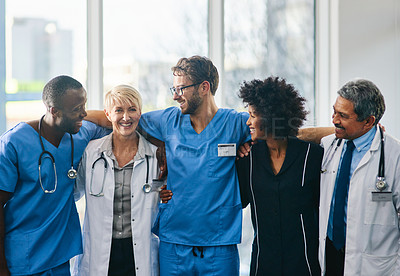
x: 279, y: 105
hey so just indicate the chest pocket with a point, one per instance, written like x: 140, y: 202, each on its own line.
x: 220, y: 166
x: 380, y: 212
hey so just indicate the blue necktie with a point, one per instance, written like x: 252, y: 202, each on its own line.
x: 342, y: 189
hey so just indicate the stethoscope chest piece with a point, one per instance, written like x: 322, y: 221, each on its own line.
x: 147, y: 188
x: 380, y: 184
x: 72, y: 173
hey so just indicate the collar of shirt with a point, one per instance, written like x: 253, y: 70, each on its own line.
x: 143, y: 147
x: 362, y: 145
x: 365, y: 141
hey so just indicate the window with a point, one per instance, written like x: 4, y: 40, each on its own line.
x: 43, y: 40
x: 142, y: 43
x: 261, y: 38
x: 274, y: 37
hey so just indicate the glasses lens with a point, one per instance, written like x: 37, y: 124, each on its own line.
x: 176, y: 90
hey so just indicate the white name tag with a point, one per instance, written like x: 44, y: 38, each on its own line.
x: 157, y: 184
x: 381, y: 196
x: 226, y: 150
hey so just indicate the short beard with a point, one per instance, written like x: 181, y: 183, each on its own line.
x: 193, y: 104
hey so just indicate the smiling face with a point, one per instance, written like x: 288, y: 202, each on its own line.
x: 73, y: 110
x: 124, y: 117
x: 254, y: 122
x: 190, y: 100
x: 345, y: 120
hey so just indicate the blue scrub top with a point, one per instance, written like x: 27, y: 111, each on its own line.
x: 205, y: 209
x: 41, y: 230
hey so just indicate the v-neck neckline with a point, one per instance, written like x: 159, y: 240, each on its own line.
x: 189, y: 123
x: 45, y: 140
x: 291, y: 154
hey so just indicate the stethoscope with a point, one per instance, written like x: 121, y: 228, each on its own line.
x: 46, y: 154
x: 380, y: 183
x: 147, y: 187
x: 380, y: 180
x: 330, y: 153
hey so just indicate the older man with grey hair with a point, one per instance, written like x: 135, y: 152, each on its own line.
x: 360, y: 185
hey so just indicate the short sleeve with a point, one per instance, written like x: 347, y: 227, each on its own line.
x: 244, y: 116
x: 8, y: 167
x: 154, y: 123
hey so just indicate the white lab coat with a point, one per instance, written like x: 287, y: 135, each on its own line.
x: 98, y: 223
x: 372, y: 238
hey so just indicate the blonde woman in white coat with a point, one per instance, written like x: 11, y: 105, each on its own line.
x: 119, y: 213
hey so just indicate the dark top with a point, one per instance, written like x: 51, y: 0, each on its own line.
x: 284, y: 208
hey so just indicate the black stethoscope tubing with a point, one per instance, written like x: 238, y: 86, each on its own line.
x: 104, y: 176
x: 381, y: 183
x: 330, y: 154
x: 71, y: 172
x: 380, y: 180
x: 381, y: 170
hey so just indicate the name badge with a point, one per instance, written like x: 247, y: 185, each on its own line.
x: 157, y: 184
x: 381, y: 196
x: 226, y: 150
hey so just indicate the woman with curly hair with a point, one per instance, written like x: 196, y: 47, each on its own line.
x: 280, y: 180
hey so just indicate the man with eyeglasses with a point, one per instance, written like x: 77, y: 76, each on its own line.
x: 200, y: 226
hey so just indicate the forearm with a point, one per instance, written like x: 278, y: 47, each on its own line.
x: 243, y: 172
x: 314, y: 134
x: 98, y: 117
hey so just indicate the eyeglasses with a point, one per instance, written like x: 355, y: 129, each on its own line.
x: 179, y: 90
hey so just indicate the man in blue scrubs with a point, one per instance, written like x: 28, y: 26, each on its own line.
x: 39, y: 224
x: 201, y: 225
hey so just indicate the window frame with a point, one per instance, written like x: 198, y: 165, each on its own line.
x: 326, y: 47
x: 3, y: 98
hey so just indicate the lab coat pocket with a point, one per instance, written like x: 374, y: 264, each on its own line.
x: 16, y: 250
x: 380, y: 212
x: 378, y: 265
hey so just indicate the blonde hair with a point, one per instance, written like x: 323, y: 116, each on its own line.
x: 122, y: 94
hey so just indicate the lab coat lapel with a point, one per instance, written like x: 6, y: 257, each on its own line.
x: 374, y: 147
